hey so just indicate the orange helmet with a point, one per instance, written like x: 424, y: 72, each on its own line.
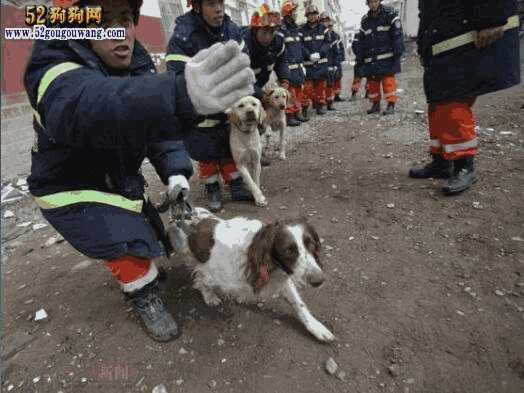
x: 288, y: 7
x: 264, y: 17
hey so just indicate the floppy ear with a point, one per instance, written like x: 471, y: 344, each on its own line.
x: 233, y: 118
x: 288, y: 98
x: 259, y: 260
x: 261, y: 116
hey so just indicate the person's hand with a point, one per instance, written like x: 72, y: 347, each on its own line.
x: 177, y: 185
x: 218, y: 77
x: 487, y: 37
x: 314, y: 57
x: 285, y: 84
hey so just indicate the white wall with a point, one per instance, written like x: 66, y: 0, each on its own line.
x: 150, y: 8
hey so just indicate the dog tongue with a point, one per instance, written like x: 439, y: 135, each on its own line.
x: 264, y: 276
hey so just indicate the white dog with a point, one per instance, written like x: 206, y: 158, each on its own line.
x: 275, y: 106
x: 245, y: 117
x: 251, y: 261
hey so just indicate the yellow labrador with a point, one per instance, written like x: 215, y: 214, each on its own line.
x: 245, y: 117
x: 276, y: 103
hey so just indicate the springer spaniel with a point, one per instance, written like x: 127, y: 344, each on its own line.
x: 249, y: 261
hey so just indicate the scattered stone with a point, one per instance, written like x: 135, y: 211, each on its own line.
x: 21, y: 182
x: 83, y: 380
x: 390, y: 205
x: 182, y: 351
x: 460, y: 313
x: 517, y: 239
x: 29, y: 301
x: 520, y: 284
x: 223, y: 361
x: 36, y: 227
x: 341, y: 375
x: 36, y: 379
x: 179, y: 382
x: 40, y: 315
x: 221, y: 342
x: 375, y: 237
x: 477, y: 205
x: 419, y: 112
x: 498, y: 292
x: 388, y: 155
x: 282, y: 207
x: 24, y: 224
x: 82, y: 265
x: 331, y: 366
x: 8, y: 214
x: 394, y: 370
x: 159, y: 389
x: 351, y: 238
x: 10, y: 387
x: 212, y: 384
x: 50, y: 242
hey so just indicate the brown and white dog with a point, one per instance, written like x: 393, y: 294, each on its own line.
x: 245, y: 117
x: 249, y: 261
x: 275, y: 104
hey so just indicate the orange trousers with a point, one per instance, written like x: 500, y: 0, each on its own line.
x: 132, y: 273
x: 355, y: 86
x: 389, y: 86
x: 208, y: 171
x: 452, y: 129
x: 330, y: 93
x: 296, y: 99
x: 314, y: 92
x: 338, y: 86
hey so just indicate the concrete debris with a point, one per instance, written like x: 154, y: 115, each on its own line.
x: 182, y: 351
x: 11, y: 194
x: 331, y: 366
x: 40, y: 315
x: 390, y: 205
x: 212, y: 384
x: 517, y: 239
x: 24, y: 224
x: 8, y: 214
x: 21, y: 182
x: 159, y: 389
x: 36, y: 227
x: 394, y: 370
x: 498, y: 292
x: 51, y: 241
x: 477, y: 205
x: 82, y: 265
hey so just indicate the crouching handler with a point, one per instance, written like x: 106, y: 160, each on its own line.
x: 99, y: 110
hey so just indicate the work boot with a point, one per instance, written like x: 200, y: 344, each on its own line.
x: 374, y: 109
x: 291, y: 120
x: 158, y: 322
x: 214, y: 197
x: 339, y: 99
x: 305, y: 113
x: 463, y: 176
x: 300, y: 116
x: 320, y: 109
x: 390, y: 110
x: 439, y: 168
x: 239, y: 192
x: 264, y: 160
x: 330, y: 106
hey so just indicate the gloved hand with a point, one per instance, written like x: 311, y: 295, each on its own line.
x: 217, y: 77
x: 314, y: 57
x: 177, y: 185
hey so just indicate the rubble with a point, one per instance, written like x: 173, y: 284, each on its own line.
x: 159, y: 389
x: 8, y: 214
x: 11, y: 194
x: 331, y: 366
x: 40, y: 315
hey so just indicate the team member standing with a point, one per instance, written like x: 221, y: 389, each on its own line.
x: 379, y: 48
x: 467, y: 49
x: 332, y: 57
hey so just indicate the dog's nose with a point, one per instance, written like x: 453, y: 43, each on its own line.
x: 282, y: 107
x: 316, y: 280
x: 250, y: 115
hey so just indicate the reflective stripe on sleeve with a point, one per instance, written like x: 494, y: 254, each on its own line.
x: 177, y: 57
x: 67, y: 198
x: 51, y: 75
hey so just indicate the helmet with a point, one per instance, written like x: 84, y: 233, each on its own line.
x: 311, y: 9
x: 288, y: 7
x: 325, y: 17
x: 264, y: 17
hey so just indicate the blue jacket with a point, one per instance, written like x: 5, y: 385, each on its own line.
x: 209, y: 136
x: 316, y: 40
x: 379, y: 43
x: 341, y: 56
x: 294, y: 52
x: 265, y: 59
x: 93, y: 129
x: 333, y: 58
x: 357, y: 70
x: 463, y: 71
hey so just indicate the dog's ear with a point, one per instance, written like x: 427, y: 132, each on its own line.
x: 233, y: 118
x: 259, y: 259
x: 288, y: 98
x: 262, y: 116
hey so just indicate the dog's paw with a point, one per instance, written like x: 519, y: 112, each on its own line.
x: 261, y: 201
x: 320, y: 332
x: 211, y: 299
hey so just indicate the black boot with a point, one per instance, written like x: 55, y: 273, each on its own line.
x: 238, y: 191
x: 339, y: 99
x: 305, y: 113
x: 463, y: 176
x: 330, y: 106
x: 158, y: 322
x: 300, y: 117
x: 439, y: 168
x: 374, y: 109
x: 353, y: 96
x: 291, y: 120
x: 390, y: 110
x: 214, y: 197
x: 320, y: 109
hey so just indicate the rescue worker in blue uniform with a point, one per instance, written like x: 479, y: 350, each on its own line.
x: 339, y: 63
x: 294, y: 55
x: 357, y: 70
x: 203, y: 26
x: 266, y: 52
x: 467, y: 48
x: 332, y: 57
x: 379, y: 48
x: 316, y: 49
x: 99, y: 110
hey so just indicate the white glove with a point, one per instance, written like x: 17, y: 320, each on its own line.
x: 218, y: 77
x: 314, y: 57
x: 177, y: 185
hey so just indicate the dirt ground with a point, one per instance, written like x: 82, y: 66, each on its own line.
x: 425, y: 293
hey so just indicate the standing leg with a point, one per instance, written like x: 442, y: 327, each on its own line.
x: 208, y: 174
x: 389, y: 85
x: 374, y: 95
